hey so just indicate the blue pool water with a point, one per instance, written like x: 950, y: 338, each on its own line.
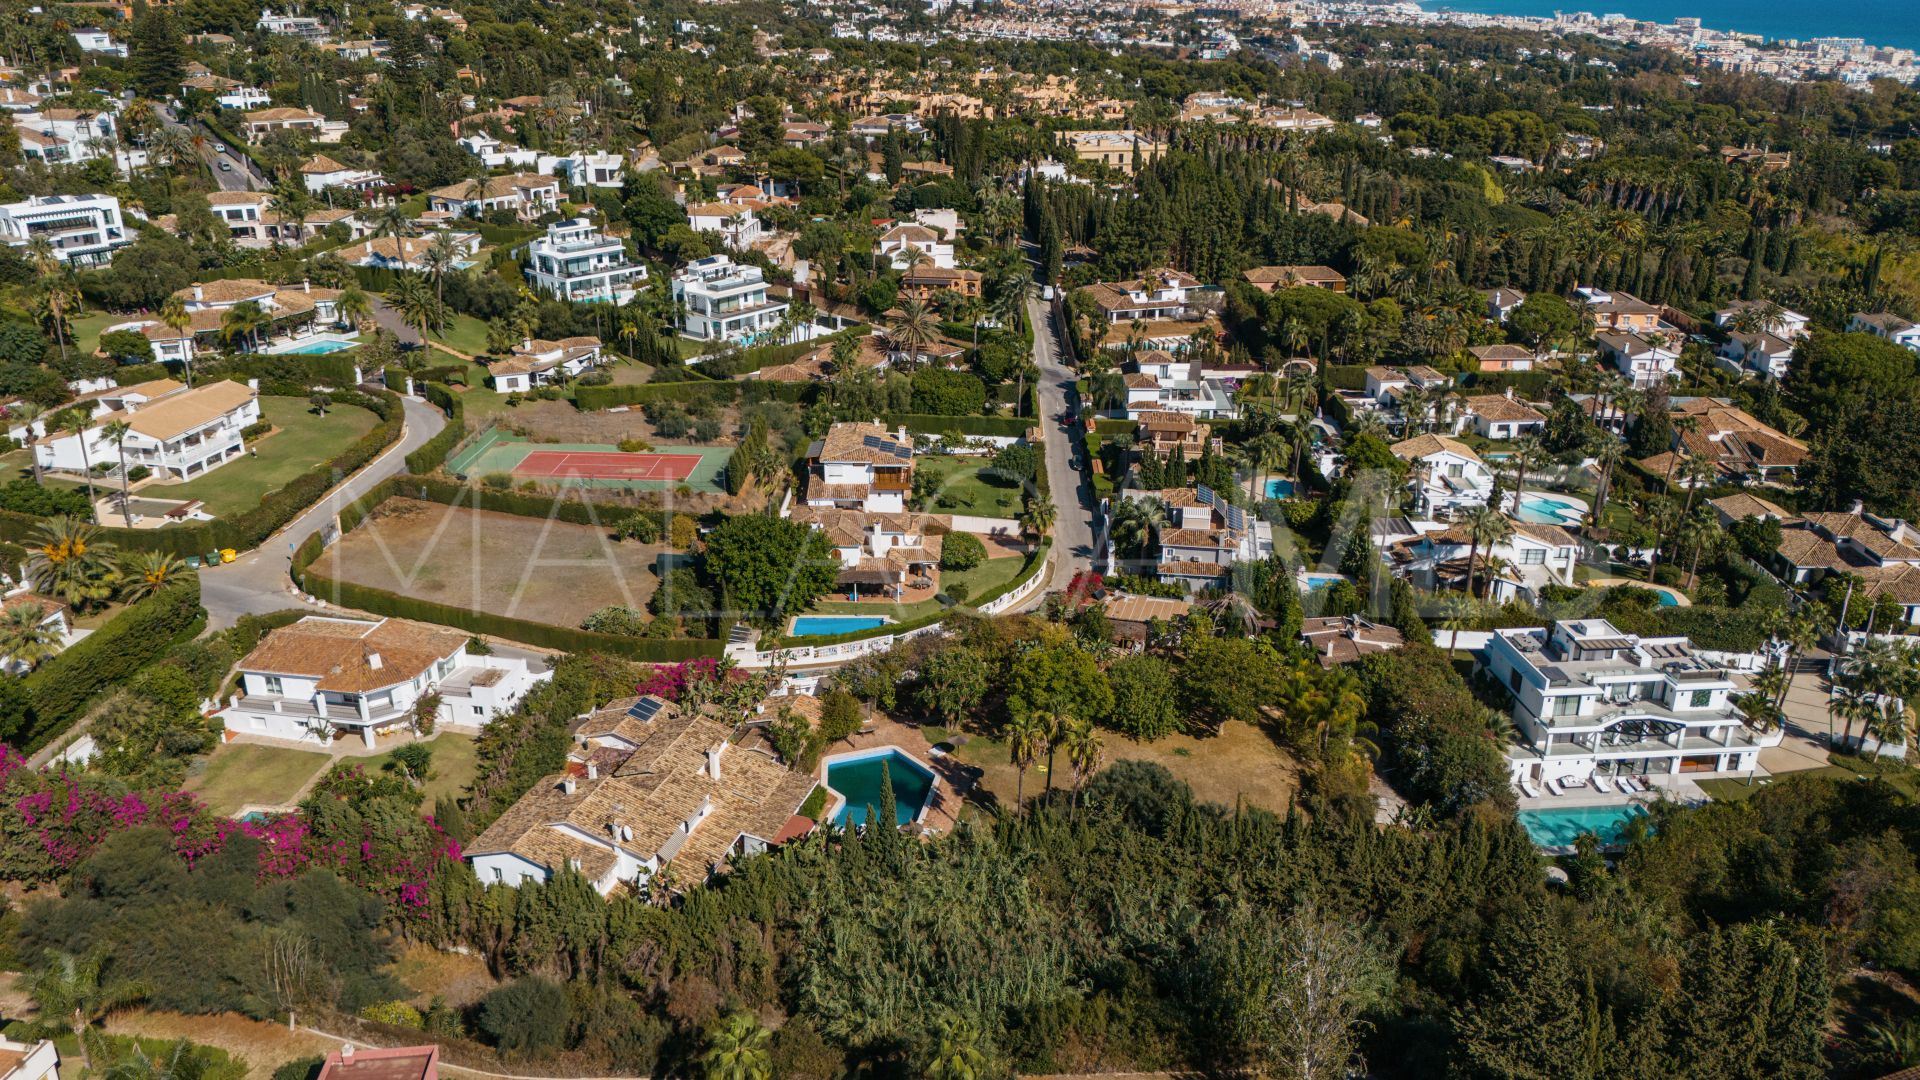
x: 317, y: 348
x: 828, y: 625
x: 1667, y: 599
x: 1540, y: 510
x: 859, y: 781
x: 1279, y: 489
x: 1316, y: 582
x: 1560, y: 826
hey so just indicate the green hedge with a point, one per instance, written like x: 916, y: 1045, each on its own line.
x: 1346, y: 376
x: 60, y: 691
x: 932, y: 424
x: 382, y: 602
x: 433, y: 453
x: 596, y: 398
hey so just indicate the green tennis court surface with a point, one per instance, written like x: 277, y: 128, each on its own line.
x: 592, y: 464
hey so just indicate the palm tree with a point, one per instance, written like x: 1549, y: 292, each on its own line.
x: 1605, y: 460
x: 50, y: 267
x: 175, y: 317
x: 29, y: 414
x: 1888, y: 724
x: 144, y: 573
x: 393, y: 221
x: 1025, y: 734
x: 116, y: 432
x: 69, y: 563
x: 354, y: 306
x: 419, y: 308
x: 439, y: 258
x: 1699, y: 531
x: 72, y: 989
x: 1457, y: 613
x: 1488, y: 528
x: 1132, y: 524
x: 78, y: 421
x: 245, y: 320
x: 1084, y: 749
x: 915, y: 329
x: 25, y: 637
x: 1528, y: 454
x: 1036, y: 518
x: 1856, y: 702
x: 738, y: 1049
x: 1263, y: 453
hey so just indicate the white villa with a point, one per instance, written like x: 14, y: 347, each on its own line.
x: 410, y: 252
x: 908, y: 245
x: 1646, y: 362
x: 1590, y: 700
x: 724, y: 301
x: 577, y: 262
x: 879, y: 552
x: 1785, y: 323
x: 1155, y: 295
x: 85, y: 230
x: 647, y: 784
x: 1883, y: 324
x: 1204, y: 535
x: 296, y: 314
x: 860, y: 467
x: 1161, y: 382
x: 53, y: 619
x: 1764, y: 354
x: 59, y: 136
x: 528, y: 195
x: 322, y: 172
x: 1500, y: 416
x: 324, y: 677
x: 536, y: 362
x: 181, y: 435
x: 1447, y: 476
x: 1518, y: 567
x: 733, y: 223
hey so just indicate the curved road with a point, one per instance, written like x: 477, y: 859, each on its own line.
x: 1073, y: 499
x: 261, y: 581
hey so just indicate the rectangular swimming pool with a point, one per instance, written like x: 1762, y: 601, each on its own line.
x: 317, y: 348
x: 1279, y: 489
x: 1560, y: 826
x: 828, y: 625
x: 857, y: 777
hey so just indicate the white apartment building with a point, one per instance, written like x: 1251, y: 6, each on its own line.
x: 325, y: 677
x: 1589, y: 699
x: 579, y: 263
x: 179, y: 435
x: 860, y: 467
x: 84, y: 230
x: 725, y: 302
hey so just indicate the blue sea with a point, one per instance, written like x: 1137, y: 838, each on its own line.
x: 1879, y: 22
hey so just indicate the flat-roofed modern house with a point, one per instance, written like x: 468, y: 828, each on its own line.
x: 648, y: 784
x: 1447, y: 477
x: 724, y: 301
x: 325, y: 677
x: 579, y: 263
x: 1589, y: 699
x: 179, y: 435
x: 84, y: 230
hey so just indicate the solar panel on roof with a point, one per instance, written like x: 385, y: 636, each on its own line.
x: 644, y: 709
x: 885, y: 446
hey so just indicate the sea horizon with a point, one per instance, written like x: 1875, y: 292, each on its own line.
x: 1894, y: 23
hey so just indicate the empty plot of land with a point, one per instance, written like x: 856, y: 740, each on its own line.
x: 525, y: 568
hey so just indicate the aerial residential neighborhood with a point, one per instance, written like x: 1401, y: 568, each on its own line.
x: 886, y: 539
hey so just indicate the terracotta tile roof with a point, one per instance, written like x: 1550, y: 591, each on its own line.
x: 321, y: 164
x: 1293, y: 275
x: 230, y: 291
x: 1498, y: 408
x: 179, y: 413
x: 1140, y: 609
x: 849, y: 442
x: 1421, y: 446
x: 352, y: 655
x: 1190, y: 568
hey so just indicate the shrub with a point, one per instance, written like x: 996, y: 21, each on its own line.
x: 683, y: 532
x: 138, y: 473
x: 394, y: 1013
x: 615, y: 619
x: 254, y: 431
x: 635, y: 445
x: 962, y: 551
x: 26, y: 497
x: 528, y: 1015
x: 643, y: 527
x: 306, y: 1068
x: 499, y: 481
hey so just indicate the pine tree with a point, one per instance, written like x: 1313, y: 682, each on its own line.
x: 1523, y: 1019
x: 156, y: 60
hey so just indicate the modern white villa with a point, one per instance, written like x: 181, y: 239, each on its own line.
x: 1591, y: 700
x: 579, y: 263
x: 85, y: 230
x: 647, y: 784
x: 724, y: 301
x: 536, y: 362
x: 325, y: 677
x: 1447, y: 477
x: 1159, y: 382
x: 180, y: 435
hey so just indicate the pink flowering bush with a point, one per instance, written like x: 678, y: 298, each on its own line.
x: 671, y: 681
x: 51, y: 822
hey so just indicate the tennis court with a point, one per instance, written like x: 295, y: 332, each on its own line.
x: 702, y: 468
x: 606, y: 465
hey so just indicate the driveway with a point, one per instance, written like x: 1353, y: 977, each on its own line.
x: 388, y: 318
x: 1073, y: 499
x: 1809, y: 727
x: 261, y: 581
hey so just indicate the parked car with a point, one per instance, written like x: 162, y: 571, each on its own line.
x: 226, y: 166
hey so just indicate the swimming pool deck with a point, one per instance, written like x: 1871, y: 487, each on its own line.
x: 956, y: 779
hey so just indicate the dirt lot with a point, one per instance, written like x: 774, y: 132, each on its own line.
x: 524, y: 568
x: 559, y: 421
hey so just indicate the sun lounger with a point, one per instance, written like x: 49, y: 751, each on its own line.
x: 1557, y: 786
x: 1527, y: 789
x: 1629, y: 785
x: 1600, y: 784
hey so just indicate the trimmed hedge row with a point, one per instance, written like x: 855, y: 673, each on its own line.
x: 933, y: 424
x: 433, y: 453
x: 382, y: 602
x: 47, y: 701
x: 596, y: 398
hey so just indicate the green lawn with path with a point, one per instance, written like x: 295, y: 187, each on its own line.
x: 304, y: 439
x: 248, y: 774
x: 961, y: 487
x: 463, y: 333
x: 980, y: 580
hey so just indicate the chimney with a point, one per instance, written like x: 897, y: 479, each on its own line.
x: 526, y: 344
x: 713, y: 759
x: 346, y: 1053
x: 306, y: 286
x: 1509, y: 393
x: 199, y: 293
x: 593, y: 771
x: 569, y: 786
x: 374, y: 661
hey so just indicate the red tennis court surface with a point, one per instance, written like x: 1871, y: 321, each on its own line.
x: 607, y: 465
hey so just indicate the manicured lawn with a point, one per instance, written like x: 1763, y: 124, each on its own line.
x: 979, y: 581
x: 243, y: 774
x: 454, y: 764
x: 303, y: 441
x: 465, y: 333
x: 87, y: 328
x: 1839, y: 767
x: 962, y: 488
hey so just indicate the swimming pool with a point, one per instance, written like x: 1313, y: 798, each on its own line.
x: 828, y: 625
x: 1540, y: 510
x: 857, y: 776
x: 1279, y: 489
x: 1666, y: 599
x: 1560, y: 826
x: 1316, y: 582
x: 317, y: 348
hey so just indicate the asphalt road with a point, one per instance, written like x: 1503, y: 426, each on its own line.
x: 239, y: 177
x: 1073, y: 498
x: 261, y: 581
